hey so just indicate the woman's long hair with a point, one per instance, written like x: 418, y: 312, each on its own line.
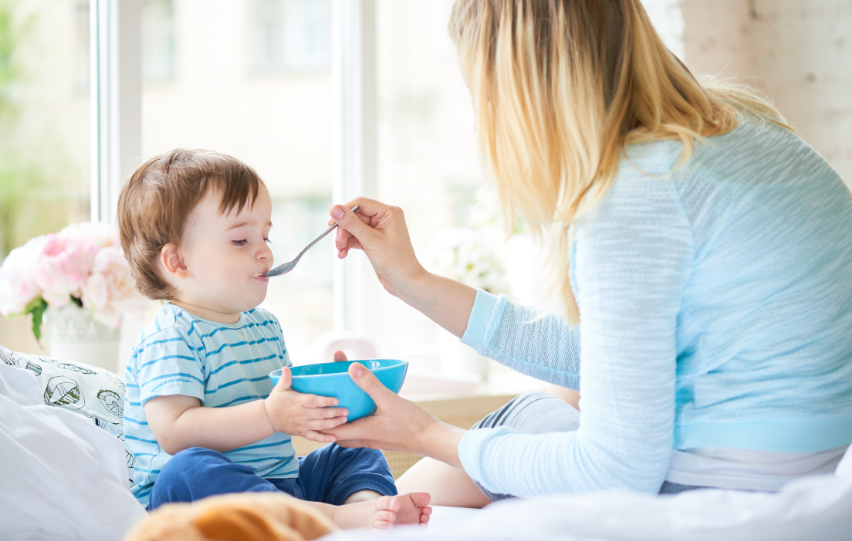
x: 559, y: 88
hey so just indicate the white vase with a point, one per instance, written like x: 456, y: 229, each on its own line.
x: 74, y: 335
x: 460, y: 359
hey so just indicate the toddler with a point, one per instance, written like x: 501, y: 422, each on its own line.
x: 201, y: 415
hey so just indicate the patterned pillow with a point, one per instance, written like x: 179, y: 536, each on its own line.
x: 88, y: 390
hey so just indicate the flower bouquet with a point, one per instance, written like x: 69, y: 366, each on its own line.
x: 83, y: 264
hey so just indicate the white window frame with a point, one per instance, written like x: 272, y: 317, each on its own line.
x: 115, y: 55
x: 116, y: 119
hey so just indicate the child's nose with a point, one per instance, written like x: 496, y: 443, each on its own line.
x: 264, y: 253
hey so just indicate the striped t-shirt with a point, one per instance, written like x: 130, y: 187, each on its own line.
x: 220, y: 364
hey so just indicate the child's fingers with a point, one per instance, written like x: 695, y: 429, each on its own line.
x: 325, y: 424
x: 325, y: 413
x: 285, y: 381
x: 315, y: 401
x: 316, y: 436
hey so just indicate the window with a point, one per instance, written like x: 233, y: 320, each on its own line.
x: 44, y: 119
x: 158, y: 41
x: 291, y: 35
x: 282, y: 127
x: 81, y: 48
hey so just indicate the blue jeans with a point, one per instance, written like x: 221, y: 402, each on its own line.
x: 330, y: 475
x: 542, y: 413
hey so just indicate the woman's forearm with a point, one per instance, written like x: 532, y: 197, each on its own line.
x: 446, y: 302
x: 442, y: 443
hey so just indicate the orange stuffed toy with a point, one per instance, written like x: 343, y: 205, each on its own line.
x: 234, y: 517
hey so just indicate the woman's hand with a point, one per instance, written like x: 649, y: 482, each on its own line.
x: 398, y: 424
x: 380, y: 231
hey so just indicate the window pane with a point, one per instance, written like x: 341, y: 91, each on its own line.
x: 278, y: 121
x: 428, y: 161
x: 44, y: 122
x: 291, y: 35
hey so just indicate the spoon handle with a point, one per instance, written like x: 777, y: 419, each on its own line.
x: 356, y: 208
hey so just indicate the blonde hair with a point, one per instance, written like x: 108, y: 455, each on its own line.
x: 559, y: 88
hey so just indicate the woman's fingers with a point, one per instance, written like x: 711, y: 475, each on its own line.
x: 339, y: 357
x: 351, y: 222
x: 370, y: 384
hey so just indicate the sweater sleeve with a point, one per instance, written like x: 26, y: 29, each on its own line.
x: 545, y: 348
x: 631, y: 261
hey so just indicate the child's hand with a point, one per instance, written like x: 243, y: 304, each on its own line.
x: 300, y: 414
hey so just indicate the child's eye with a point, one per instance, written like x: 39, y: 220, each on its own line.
x: 267, y: 240
x: 239, y: 242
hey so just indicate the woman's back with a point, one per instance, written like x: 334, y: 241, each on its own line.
x: 764, y: 329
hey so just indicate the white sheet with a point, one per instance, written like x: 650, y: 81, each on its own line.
x: 814, y: 508
x: 61, y: 477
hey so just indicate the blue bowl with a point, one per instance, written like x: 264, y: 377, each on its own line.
x: 332, y: 379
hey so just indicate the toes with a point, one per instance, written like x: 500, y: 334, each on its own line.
x: 424, y: 518
x: 382, y: 525
x: 420, y: 499
x: 426, y: 511
x: 388, y: 503
x: 385, y: 516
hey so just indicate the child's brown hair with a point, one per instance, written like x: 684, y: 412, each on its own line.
x: 155, y: 202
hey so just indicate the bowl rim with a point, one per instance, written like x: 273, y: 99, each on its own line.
x: 399, y: 362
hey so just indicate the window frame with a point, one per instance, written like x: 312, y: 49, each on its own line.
x: 116, y: 119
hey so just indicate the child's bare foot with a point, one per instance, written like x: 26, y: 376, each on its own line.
x: 384, y: 512
x: 411, y: 508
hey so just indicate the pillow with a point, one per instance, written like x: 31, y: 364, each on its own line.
x: 87, y: 390
x: 61, y: 477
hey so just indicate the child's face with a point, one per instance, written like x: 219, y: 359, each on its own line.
x: 223, y: 254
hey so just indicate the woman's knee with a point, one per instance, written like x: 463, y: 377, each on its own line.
x: 533, y: 413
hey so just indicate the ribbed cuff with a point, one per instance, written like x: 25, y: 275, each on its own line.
x: 480, y: 315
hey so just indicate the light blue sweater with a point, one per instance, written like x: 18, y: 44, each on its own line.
x: 716, y: 311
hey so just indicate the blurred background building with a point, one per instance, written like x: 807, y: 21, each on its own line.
x: 253, y: 78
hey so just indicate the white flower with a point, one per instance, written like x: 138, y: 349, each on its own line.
x: 18, y: 286
x: 109, y: 289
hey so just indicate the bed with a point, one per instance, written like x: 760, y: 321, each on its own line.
x: 64, y: 474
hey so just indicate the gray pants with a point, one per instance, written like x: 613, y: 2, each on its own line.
x: 542, y: 413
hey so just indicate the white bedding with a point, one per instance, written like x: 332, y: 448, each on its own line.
x: 61, y: 477
x: 818, y: 508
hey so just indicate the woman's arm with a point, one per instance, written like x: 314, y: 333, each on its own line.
x: 547, y: 348
x: 397, y: 425
x: 632, y: 261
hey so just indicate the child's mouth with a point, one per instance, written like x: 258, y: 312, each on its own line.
x: 261, y: 277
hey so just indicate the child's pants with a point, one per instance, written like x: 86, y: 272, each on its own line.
x: 330, y: 475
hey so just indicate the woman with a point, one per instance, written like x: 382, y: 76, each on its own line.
x: 703, y: 248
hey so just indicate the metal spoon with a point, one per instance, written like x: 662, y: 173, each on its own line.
x: 287, y: 267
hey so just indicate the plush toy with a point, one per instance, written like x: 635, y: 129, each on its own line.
x: 234, y: 517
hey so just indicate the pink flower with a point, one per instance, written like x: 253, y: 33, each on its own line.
x: 18, y: 286
x: 109, y: 289
x: 63, y: 267
x: 101, y: 234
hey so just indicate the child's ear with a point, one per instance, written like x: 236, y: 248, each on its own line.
x: 172, y: 262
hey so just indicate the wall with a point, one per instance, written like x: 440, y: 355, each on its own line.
x: 799, y: 51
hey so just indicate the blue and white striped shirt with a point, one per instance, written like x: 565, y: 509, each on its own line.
x: 220, y: 364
